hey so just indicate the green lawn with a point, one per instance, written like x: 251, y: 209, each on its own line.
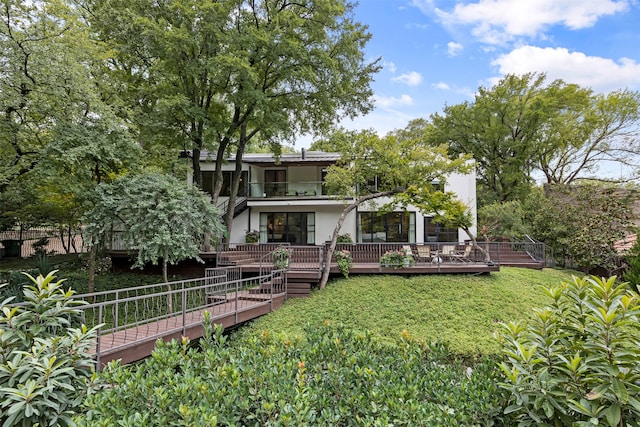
x: 463, y: 311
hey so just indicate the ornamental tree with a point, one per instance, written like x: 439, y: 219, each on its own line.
x: 157, y: 216
x: 402, y: 162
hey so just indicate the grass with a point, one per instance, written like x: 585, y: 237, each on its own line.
x: 463, y: 311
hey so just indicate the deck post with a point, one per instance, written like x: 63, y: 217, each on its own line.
x: 184, y: 311
x: 236, y: 303
x: 98, y: 336
x: 115, y: 315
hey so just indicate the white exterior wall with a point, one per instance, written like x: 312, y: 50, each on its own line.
x: 328, y: 211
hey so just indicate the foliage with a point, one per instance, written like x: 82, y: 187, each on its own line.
x: 45, y: 362
x: 46, y: 83
x: 523, y: 124
x: 461, y: 311
x: 252, y: 236
x: 396, y: 259
x: 344, y: 238
x: 157, y: 216
x: 333, y: 377
x: 576, y: 362
x: 504, y: 219
x: 43, y: 264
x: 571, y: 218
x: 211, y: 75
x: 403, y: 163
x: 632, y: 273
x: 345, y: 261
x: 281, y: 256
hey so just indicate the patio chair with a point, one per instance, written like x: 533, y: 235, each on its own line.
x: 447, y: 252
x: 462, y: 256
x: 423, y: 253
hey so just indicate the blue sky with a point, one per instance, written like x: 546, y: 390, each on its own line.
x: 438, y: 52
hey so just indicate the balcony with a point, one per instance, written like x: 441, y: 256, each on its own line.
x: 281, y: 190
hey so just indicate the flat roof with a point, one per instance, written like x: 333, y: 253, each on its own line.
x: 264, y: 159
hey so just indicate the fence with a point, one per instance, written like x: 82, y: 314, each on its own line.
x: 26, y: 243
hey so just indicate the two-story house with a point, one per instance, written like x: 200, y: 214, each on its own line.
x: 286, y: 202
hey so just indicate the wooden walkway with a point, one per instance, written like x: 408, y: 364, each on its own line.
x: 136, y: 340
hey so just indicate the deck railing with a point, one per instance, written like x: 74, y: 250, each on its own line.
x: 148, y: 312
x: 285, y: 189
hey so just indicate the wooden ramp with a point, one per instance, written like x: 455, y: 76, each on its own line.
x: 230, y: 303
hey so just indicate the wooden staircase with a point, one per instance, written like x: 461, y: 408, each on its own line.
x: 504, y: 255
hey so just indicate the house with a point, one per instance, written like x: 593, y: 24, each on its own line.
x: 286, y: 202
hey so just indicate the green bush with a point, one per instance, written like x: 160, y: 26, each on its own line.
x: 44, y: 362
x: 333, y: 376
x: 576, y: 363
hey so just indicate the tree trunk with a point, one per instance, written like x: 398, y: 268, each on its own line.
x: 92, y: 269
x: 165, y: 278
x: 474, y: 243
x: 235, y: 182
x: 336, y: 231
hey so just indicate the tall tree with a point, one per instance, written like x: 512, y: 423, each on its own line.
x: 215, y: 74
x: 44, y: 80
x: 404, y: 167
x: 499, y: 130
x: 587, y: 130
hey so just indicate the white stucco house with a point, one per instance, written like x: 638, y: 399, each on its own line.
x: 286, y: 202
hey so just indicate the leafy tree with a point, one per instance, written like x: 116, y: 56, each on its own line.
x: 46, y: 81
x: 502, y: 220
x: 589, y: 130
x: 581, y: 223
x: 155, y: 215
x: 632, y: 273
x: 216, y: 75
x: 524, y: 124
x: 45, y: 365
x: 499, y: 130
x: 405, y: 166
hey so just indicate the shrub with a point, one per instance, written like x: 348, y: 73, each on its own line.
x: 252, y: 236
x: 44, y: 362
x: 396, y: 259
x: 333, y: 376
x: 576, y: 363
x: 344, y: 260
x: 281, y: 257
x: 344, y: 238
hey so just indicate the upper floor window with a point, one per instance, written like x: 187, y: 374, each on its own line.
x: 207, y: 183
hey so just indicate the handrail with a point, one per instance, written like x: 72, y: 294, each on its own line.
x: 140, y: 314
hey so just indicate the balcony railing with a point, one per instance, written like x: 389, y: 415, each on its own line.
x: 285, y: 189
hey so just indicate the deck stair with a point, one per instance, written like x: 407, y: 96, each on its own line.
x: 508, y: 256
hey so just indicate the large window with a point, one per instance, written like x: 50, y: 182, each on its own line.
x: 293, y: 227
x: 391, y: 227
x: 436, y: 233
x: 207, y: 183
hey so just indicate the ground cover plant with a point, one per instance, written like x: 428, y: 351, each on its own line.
x: 334, y: 376
x: 464, y: 311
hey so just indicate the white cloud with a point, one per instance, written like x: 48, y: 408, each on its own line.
x: 454, y: 48
x: 498, y: 21
x: 412, y: 79
x: 390, y: 101
x: 388, y: 65
x: 600, y: 74
x: 441, y: 86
